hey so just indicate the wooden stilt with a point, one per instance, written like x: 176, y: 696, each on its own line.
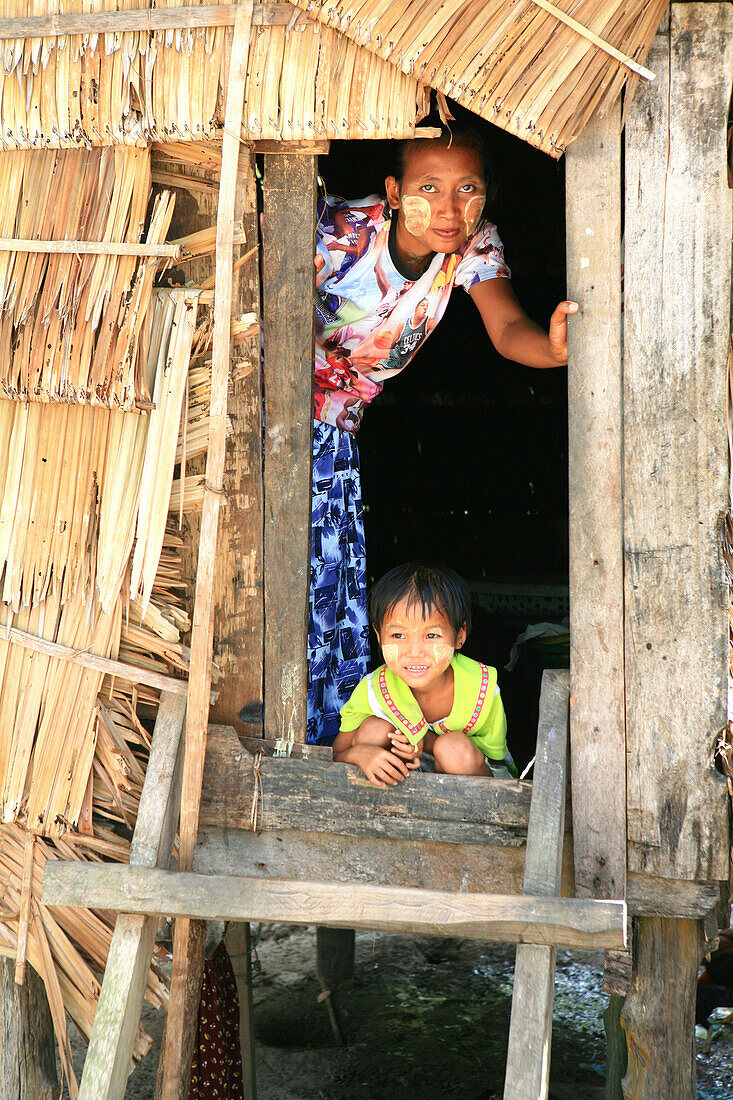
x: 616, y: 1054
x: 27, y: 1038
x: 659, y: 1014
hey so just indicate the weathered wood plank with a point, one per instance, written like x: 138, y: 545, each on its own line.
x: 238, y: 584
x: 658, y: 1015
x: 27, y: 1038
x: 292, y: 854
x: 314, y: 793
x: 597, y: 723
x: 677, y: 272
x: 288, y: 278
x: 109, y: 1056
x: 530, y: 1028
x: 568, y: 922
x: 153, y: 19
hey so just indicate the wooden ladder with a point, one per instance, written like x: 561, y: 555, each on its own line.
x: 538, y: 921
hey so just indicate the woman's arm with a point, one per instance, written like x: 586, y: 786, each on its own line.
x: 514, y: 334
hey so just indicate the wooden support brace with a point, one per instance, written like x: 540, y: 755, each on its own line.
x: 572, y: 923
x: 530, y: 1029
x: 109, y: 1056
x: 26, y: 890
x: 131, y: 673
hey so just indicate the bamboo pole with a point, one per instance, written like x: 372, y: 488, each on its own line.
x: 98, y: 248
x: 186, y: 938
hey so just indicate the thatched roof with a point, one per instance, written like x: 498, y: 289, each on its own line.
x: 537, y: 69
x: 356, y: 69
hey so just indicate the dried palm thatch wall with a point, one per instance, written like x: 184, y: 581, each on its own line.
x: 138, y: 86
x: 88, y: 560
x: 536, y: 69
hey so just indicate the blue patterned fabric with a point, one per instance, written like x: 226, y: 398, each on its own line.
x: 338, y: 629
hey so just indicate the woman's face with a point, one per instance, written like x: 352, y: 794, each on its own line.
x: 439, y: 200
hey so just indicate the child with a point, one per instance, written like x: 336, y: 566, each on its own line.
x: 427, y: 697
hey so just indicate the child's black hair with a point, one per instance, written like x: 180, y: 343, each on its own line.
x: 432, y: 587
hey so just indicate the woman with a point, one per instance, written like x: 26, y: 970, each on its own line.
x: 385, y: 272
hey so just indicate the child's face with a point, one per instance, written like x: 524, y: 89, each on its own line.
x: 418, y: 648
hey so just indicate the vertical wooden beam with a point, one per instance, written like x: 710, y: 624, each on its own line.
x: 238, y: 617
x: 677, y: 294
x: 597, y: 728
x: 239, y: 947
x: 659, y: 1014
x: 288, y: 287
x: 530, y: 1028
x: 109, y: 1056
x: 26, y: 1038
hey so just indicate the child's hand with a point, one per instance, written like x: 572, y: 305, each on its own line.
x: 380, y: 766
x: 405, y: 750
x: 559, y: 330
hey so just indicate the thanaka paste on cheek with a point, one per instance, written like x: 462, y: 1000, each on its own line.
x: 442, y: 653
x: 472, y: 212
x: 390, y: 652
x: 417, y: 214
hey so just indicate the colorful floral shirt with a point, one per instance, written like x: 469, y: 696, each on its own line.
x: 477, y: 707
x: 372, y: 314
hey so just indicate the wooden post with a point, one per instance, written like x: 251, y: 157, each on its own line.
x: 108, y: 1060
x: 288, y: 287
x: 26, y: 1038
x: 676, y: 332
x: 659, y: 1014
x: 598, y: 746
x: 530, y: 1029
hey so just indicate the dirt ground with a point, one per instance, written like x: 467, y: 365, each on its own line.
x: 423, y: 1017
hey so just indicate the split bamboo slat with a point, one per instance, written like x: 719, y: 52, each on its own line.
x: 145, y: 82
x: 534, y: 68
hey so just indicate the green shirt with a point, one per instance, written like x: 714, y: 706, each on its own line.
x: 477, y: 708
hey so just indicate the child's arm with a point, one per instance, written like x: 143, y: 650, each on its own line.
x: 367, y: 747
x: 513, y: 333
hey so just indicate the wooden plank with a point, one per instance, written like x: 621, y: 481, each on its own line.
x: 101, y: 248
x: 570, y: 922
x: 146, y: 19
x: 188, y: 943
x: 658, y: 1016
x: 109, y: 1056
x: 288, y: 279
x: 239, y: 948
x: 324, y: 857
x: 530, y: 1028
x: 597, y: 722
x: 238, y: 583
x: 130, y: 673
x: 314, y: 793
x: 296, y: 147
x: 677, y: 272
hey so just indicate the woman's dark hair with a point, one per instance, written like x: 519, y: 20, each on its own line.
x: 431, y: 587
x: 461, y: 135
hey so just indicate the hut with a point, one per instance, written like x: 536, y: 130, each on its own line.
x: 103, y: 360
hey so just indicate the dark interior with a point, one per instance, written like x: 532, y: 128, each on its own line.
x: 464, y: 455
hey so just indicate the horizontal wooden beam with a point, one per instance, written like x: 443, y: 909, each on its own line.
x: 311, y: 792
x: 566, y: 922
x: 122, y: 671
x: 146, y: 19
x: 93, y: 248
